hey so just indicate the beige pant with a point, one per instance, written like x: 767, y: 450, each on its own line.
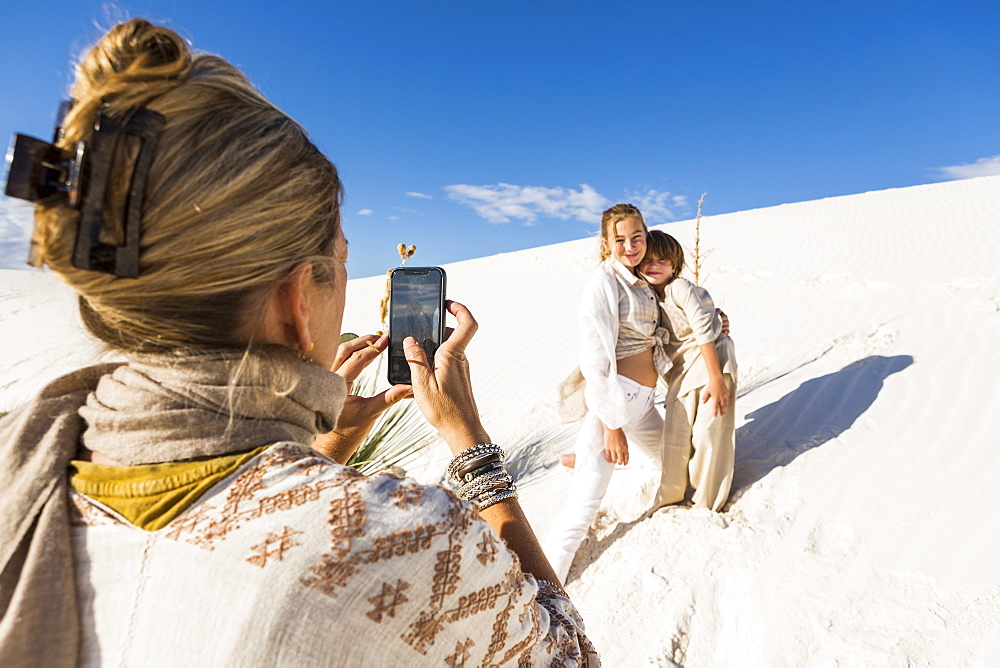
x: 698, y: 449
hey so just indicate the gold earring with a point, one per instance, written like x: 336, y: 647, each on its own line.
x: 304, y: 355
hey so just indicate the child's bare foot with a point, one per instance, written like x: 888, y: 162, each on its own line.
x: 569, y: 461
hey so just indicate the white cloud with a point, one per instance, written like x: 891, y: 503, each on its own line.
x: 502, y: 202
x: 418, y: 195
x: 365, y: 212
x: 657, y: 206
x: 983, y: 167
x: 393, y: 217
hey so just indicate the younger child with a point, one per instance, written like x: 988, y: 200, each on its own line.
x: 698, y: 446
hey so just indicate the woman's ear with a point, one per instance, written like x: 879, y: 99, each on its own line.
x: 286, y: 320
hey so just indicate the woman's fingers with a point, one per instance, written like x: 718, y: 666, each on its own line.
x: 415, y: 356
x: 360, y: 411
x: 397, y: 393
x: 376, y: 405
x: 443, y: 392
x: 459, y: 337
x: 355, y: 355
x: 348, y: 348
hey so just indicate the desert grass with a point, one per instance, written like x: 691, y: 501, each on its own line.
x: 405, y: 253
x: 398, y: 437
x: 696, y: 257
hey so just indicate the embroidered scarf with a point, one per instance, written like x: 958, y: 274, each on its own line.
x: 155, y: 408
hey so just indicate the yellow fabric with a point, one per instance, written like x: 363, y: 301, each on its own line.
x: 151, y: 495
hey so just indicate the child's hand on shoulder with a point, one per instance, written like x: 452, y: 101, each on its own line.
x: 725, y: 321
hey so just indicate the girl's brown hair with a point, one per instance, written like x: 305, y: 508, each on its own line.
x: 236, y: 196
x: 665, y: 247
x: 609, y: 219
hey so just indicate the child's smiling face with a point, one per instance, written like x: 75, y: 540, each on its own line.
x: 628, y: 245
x: 656, y: 271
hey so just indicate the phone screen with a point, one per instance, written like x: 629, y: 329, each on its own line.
x: 416, y: 308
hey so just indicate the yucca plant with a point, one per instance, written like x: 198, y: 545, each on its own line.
x: 696, y: 264
x: 401, y: 432
x: 398, y: 437
x: 405, y: 253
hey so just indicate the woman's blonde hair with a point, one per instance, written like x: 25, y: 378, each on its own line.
x: 664, y: 247
x: 236, y: 196
x: 610, y: 219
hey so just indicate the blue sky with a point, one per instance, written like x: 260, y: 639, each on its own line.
x: 475, y: 128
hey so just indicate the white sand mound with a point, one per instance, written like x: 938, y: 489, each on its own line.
x: 860, y: 529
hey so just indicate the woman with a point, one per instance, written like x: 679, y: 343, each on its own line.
x: 621, y: 356
x: 170, y: 509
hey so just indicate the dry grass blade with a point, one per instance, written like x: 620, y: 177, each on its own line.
x: 397, y: 438
x: 696, y: 256
x: 405, y: 253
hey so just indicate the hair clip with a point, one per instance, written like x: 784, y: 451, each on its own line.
x: 38, y: 171
x: 43, y: 173
x: 90, y: 252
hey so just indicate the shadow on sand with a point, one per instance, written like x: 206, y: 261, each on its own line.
x: 815, y: 412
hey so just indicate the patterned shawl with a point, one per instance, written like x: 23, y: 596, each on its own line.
x: 155, y: 408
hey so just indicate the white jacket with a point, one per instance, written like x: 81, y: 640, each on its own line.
x: 598, y: 323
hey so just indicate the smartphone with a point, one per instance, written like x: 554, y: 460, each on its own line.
x: 416, y: 308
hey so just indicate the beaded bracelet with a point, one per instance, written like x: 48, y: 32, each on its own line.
x: 486, y: 471
x: 481, y: 475
x: 477, y: 465
x: 497, y: 497
x: 497, y: 480
x: 463, y: 459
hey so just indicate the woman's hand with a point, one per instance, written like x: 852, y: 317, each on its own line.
x: 615, y: 446
x: 716, y: 389
x: 444, y: 393
x: 359, y: 413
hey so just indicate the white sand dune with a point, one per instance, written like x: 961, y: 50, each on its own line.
x: 860, y: 529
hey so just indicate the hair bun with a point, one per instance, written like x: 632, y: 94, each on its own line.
x: 226, y: 214
x: 133, y: 63
x: 155, y: 46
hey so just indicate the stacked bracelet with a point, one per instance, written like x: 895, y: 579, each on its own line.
x: 491, y: 481
x: 473, y: 457
x: 481, y: 477
x: 497, y: 497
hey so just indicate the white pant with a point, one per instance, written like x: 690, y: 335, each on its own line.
x: 592, y: 472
